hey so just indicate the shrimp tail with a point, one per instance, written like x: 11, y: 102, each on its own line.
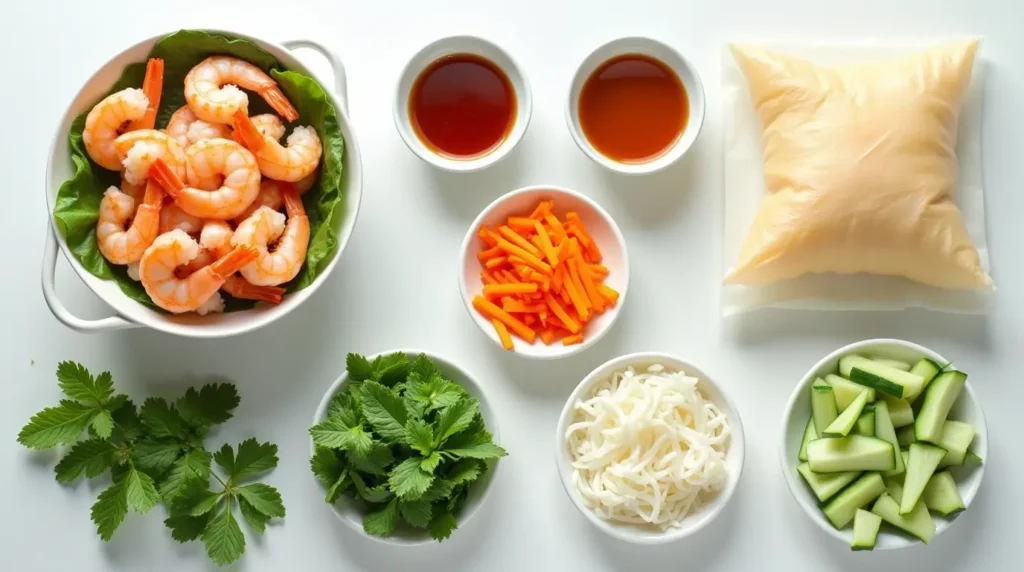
x: 163, y: 175
x: 241, y: 288
x: 292, y: 202
x: 233, y: 261
x: 152, y: 87
x: 247, y: 133
x: 276, y: 99
x: 154, y: 196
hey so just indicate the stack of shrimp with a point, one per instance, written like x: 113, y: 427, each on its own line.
x: 197, y: 210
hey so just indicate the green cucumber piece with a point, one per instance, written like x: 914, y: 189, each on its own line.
x: 851, y: 453
x: 884, y: 430
x: 825, y: 485
x: 843, y: 424
x: 809, y: 435
x: 893, y: 363
x: 846, y: 391
x: 918, y: 523
x: 956, y: 438
x: 941, y: 495
x: 900, y: 412
x: 927, y: 369
x: 840, y: 510
x: 894, y: 486
x: 972, y: 460
x: 823, y: 405
x: 865, y: 530
x: 936, y: 403
x: 866, y: 422
x: 921, y: 465
x: 905, y: 436
x: 883, y: 378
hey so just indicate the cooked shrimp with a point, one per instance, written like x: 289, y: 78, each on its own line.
x: 107, y: 120
x: 152, y: 87
x: 269, y: 125
x: 211, y: 89
x: 266, y: 227
x: 172, y: 217
x: 216, y: 241
x: 139, y: 149
x: 127, y: 110
x: 187, y: 129
x: 211, y: 160
x: 123, y: 234
x: 270, y: 195
x: 135, y: 191
x: 175, y: 249
x: 289, y: 163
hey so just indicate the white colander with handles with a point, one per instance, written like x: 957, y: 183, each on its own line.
x: 128, y: 313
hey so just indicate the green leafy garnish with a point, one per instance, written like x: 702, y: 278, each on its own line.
x: 404, y: 442
x: 77, y: 206
x: 155, y: 454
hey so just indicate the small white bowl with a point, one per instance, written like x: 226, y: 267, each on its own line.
x: 733, y: 456
x: 349, y: 512
x: 462, y: 45
x: 967, y: 409
x: 687, y: 74
x: 599, y: 223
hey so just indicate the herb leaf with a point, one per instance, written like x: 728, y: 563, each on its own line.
x: 455, y: 418
x: 442, y: 524
x: 408, y: 481
x: 211, y: 405
x: 56, y: 425
x: 326, y: 466
x: 76, y: 382
x: 161, y: 419
x: 140, y: 491
x: 253, y: 458
x: 192, y: 467
x: 102, y: 424
x: 391, y: 369
x: 264, y: 498
x: 335, y: 433
x: 419, y: 436
x: 416, y: 513
x: 155, y: 456
x: 93, y: 456
x: 110, y: 508
x: 384, y: 410
x: 382, y: 522
x: 223, y: 538
x: 359, y: 368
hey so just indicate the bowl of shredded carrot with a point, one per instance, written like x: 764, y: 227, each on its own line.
x: 544, y: 272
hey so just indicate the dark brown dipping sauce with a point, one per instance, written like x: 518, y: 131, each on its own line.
x: 462, y: 106
x: 633, y: 108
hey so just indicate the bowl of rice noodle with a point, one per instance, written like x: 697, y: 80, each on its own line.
x: 649, y: 449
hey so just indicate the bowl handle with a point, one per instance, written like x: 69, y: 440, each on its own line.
x: 340, y: 83
x: 59, y: 311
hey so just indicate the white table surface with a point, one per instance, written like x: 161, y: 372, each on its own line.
x: 396, y: 287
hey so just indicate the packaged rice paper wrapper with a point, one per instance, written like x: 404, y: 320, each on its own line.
x: 853, y: 177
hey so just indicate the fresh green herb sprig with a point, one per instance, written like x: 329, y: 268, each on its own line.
x: 156, y: 454
x: 405, y: 441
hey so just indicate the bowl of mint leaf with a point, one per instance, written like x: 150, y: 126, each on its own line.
x: 404, y: 445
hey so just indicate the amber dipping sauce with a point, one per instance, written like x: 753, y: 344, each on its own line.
x: 462, y: 106
x: 633, y: 108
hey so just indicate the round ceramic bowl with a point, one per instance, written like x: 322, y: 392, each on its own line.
x: 733, y: 458
x: 599, y: 223
x: 967, y: 409
x: 686, y: 73
x: 129, y: 313
x: 462, y: 45
x: 349, y: 512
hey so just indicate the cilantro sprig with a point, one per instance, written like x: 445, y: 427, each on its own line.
x: 155, y: 454
x: 405, y: 442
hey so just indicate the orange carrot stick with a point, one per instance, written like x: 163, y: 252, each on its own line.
x: 488, y: 236
x: 547, y: 335
x: 576, y: 298
x: 564, y: 293
x: 596, y: 301
x: 506, y: 340
x: 556, y: 227
x: 545, y: 244
x: 558, y: 277
x: 530, y: 259
x: 609, y: 294
x: 598, y: 270
x: 543, y: 209
x: 572, y: 340
x: 509, y: 277
x: 487, y: 278
x: 488, y: 309
x: 502, y: 289
x: 495, y: 262
x: 488, y: 254
x: 520, y: 224
x: 560, y: 313
x: 513, y: 237
x: 517, y: 307
x: 581, y: 230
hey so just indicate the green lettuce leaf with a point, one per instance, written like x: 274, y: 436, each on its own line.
x: 78, y: 200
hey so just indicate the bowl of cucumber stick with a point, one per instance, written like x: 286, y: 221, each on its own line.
x: 884, y: 444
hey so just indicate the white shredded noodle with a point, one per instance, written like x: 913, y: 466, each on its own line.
x: 647, y: 447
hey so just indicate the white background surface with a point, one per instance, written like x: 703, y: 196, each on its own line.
x: 396, y: 287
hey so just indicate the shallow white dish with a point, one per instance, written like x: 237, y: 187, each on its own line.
x: 128, y: 312
x: 462, y: 45
x: 798, y: 411
x: 683, y: 69
x: 348, y: 510
x: 602, y: 228
x: 733, y: 458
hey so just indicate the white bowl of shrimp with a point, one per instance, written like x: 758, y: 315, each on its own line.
x: 194, y: 219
